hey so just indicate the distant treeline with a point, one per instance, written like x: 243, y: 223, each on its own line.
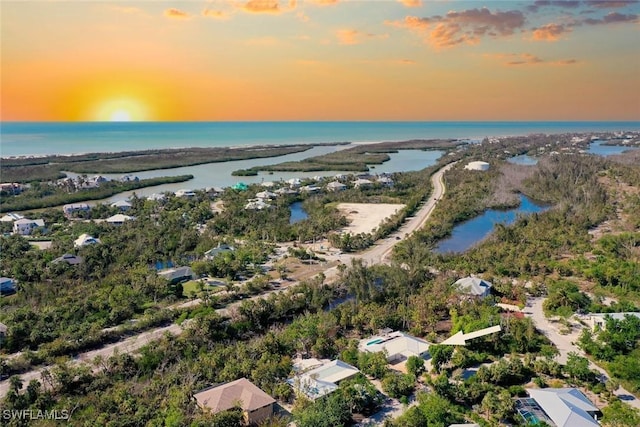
x: 354, y: 159
x: 34, y: 199
x: 51, y: 167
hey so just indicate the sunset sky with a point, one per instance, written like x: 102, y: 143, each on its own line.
x: 320, y: 60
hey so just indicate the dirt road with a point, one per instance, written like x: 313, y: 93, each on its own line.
x: 376, y: 254
x: 565, y: 345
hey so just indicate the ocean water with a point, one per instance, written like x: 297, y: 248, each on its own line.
x: 28, y: 138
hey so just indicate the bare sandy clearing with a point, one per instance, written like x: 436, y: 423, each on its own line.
x: 365, y: 217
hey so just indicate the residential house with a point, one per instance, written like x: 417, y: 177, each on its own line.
x: 385, y: 181
x: 562, y: 407
x: 294, y: 182
x: 7, y: 286
x: 398, y: 346
x: 473, y: 286
x: 477, y: 166
x: 286, y: 191
x: 73, y: 208
x: 85, y: 240
x: 69, y: 259
x: 119, y: 219
x: 335, y: 186
x: 122, y: 205
x: 11, y: 216
x: 266, y: 195
x: 240, y: 186
x: 256, y: 205
x: 3, y: 332
x: 311, y: 189
x: 599, y: 320
x: 317, y: 378
x: 185, y: 193
x: 255, y: 403
x: 221, y: 248
x: 11, y: 188
x: 362, y: 183
x: 25, y: 226
x: 177, y: 274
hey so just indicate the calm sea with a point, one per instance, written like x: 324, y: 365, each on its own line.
x: 19, y: 139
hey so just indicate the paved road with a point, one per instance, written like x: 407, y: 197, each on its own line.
x: 376, y: 254
x: 565, y: 345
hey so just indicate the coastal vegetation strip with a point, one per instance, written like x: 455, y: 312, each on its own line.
x: 353, y: 159
x: 38, y: 196
x: 28, y: 169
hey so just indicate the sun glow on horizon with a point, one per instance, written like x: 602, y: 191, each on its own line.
x: 121, y: 110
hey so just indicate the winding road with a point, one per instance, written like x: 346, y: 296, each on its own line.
x: 376, y: 254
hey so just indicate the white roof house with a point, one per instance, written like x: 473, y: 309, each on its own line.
x: 336, y: 186
x: 119, y: 219
x: 362, y: 183
x: 398, y: 345
x: 385, y: 180
x: 185, y: 193
x: 177, y: 274
x: 323, y: 379
x: 84, y: 240
x: 473, y: 286
x: 123, y: 205
x: 25, y: 226
x: 212, y: 253
x: 566, y: 407
x: 11, y: 216
x: 477, y: 166
x: 266, y: 195
x: 599, y: 320
x: 256, y: 205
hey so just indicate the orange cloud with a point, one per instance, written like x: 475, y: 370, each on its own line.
x: 216, y: 14
x: 263, y: 6
x: 323, y: 2
x: 550, y: 32
x: 175, y: 13
x: 467, y: 26
x: 516, y: 59
x: 350, y: 37
x: 411, y: 3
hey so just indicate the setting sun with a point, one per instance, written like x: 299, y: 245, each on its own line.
x: 121, y: 110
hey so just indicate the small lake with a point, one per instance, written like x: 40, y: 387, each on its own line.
x: 523, y: 159
x: 597, y: 147
x: 297, y: 213
x: 470, y: 232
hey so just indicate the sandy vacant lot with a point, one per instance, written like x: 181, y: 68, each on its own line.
x: 364, y: 217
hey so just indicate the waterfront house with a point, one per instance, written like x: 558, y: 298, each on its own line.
x: 256, y: 205
x: 11, y: 188
x: 25, y: 227
x: 317, y: 378
x: 73, y: 208
x: 185, y: 193
x: 122, y: 205
x: 256, y: 405
x: 85, y: 240
x: 385, y: 181
x: 266, y: 195
x: 7, y: 286
x: 562, y: 407
x: 311, y: 189
x: 240, y: 186
x: 119, y: 219
x: 398, y: 346
x: 473, y: 286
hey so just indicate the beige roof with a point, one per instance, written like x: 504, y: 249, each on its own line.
x: 3, y: 328
x: 226, y: 396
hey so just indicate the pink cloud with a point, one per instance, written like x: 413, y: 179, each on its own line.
x: 351, y: 37
x: 411, y: 3
x: 550, y: 32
